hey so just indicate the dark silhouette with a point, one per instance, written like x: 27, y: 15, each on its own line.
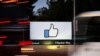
x: 93, y: 31
x: 58, y: 10
x: 61, y: 10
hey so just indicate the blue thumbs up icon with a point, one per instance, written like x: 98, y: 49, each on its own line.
x: 52, y: 32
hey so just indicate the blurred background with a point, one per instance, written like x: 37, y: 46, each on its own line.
x: 36, y: 50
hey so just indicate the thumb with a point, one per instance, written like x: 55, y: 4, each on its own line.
x: 51, y: 26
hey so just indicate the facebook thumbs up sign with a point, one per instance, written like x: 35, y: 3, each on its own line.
x: 51, y: 32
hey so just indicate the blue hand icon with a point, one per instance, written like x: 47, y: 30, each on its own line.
x: 52, y: 32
